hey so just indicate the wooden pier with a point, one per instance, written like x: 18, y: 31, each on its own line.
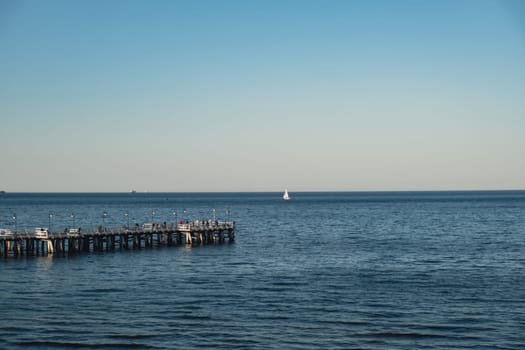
x: 77, y: 242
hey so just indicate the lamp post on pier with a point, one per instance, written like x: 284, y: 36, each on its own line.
x: 50, y: 219
x: 14, y: 219
x: 126, y: 214
x: 175, y: 216
x: 213, y: 210
x: 72, y: 216
x: 104, y: 216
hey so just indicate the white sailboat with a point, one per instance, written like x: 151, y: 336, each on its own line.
x: 286, y: 197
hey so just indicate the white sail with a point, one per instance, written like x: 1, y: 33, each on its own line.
x: 285, y: 195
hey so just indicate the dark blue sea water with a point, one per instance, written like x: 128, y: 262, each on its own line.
x: 407, y: 270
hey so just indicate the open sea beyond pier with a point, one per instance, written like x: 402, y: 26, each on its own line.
x: 352, y: 270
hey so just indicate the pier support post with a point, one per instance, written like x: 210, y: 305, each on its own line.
x: 188, y: 238
x: 111, y: 242
x: 7, y: 247
x: 50, y: 247
x: 85, y: 244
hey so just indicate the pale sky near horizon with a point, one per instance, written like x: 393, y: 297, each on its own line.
x: 262, y: 95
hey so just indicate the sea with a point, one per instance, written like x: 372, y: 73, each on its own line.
x: 325, y: 270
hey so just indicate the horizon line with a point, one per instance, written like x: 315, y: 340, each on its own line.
x: 264, y: 191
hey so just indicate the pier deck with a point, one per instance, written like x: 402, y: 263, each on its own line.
x: 102, y: 239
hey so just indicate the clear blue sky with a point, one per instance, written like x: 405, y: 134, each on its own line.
x: 262, y: 95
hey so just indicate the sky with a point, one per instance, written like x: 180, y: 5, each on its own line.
x: 223, y: 95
